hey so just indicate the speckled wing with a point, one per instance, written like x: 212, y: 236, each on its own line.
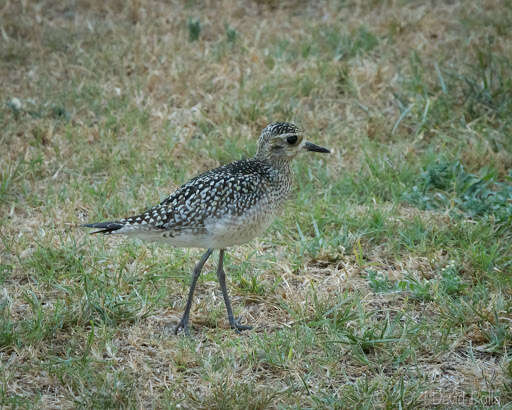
x: 228, y: 191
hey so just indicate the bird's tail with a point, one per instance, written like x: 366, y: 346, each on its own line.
x: 105, y: 228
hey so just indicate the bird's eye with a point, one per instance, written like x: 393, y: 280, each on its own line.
x: 292, y: 139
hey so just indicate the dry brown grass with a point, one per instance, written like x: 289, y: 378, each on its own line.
x: 107, y: 107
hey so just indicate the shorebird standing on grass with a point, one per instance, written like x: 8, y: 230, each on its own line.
x: 226, y: 206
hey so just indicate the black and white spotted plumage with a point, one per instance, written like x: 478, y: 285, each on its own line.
x: 222, y: 207
x: 239, y: 196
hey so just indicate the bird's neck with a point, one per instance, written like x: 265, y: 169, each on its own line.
x: 280, y: 162
x: 282, y: 173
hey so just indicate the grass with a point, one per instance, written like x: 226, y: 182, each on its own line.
x: 385, y: 283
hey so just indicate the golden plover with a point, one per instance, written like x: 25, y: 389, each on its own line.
x: 226, y: 206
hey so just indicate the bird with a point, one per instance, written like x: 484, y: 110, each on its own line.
x: 223, y: 207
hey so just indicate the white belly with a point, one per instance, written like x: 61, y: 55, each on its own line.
x: 231, y: 231
x: 218, y: 233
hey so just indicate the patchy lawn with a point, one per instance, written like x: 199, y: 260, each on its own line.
x: 386, y: 282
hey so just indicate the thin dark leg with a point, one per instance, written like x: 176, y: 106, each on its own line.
x: 197, y: 271
x: 222, y: 280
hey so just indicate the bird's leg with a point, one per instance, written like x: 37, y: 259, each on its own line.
x: 197, y: 271
x: 222, y: 281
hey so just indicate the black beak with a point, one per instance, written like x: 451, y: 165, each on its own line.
x: 315, y: 148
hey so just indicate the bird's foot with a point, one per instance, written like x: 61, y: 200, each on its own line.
x: 183, y: 326
x: 238, y: 327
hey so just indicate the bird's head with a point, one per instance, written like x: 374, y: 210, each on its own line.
x: 282, y: 141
